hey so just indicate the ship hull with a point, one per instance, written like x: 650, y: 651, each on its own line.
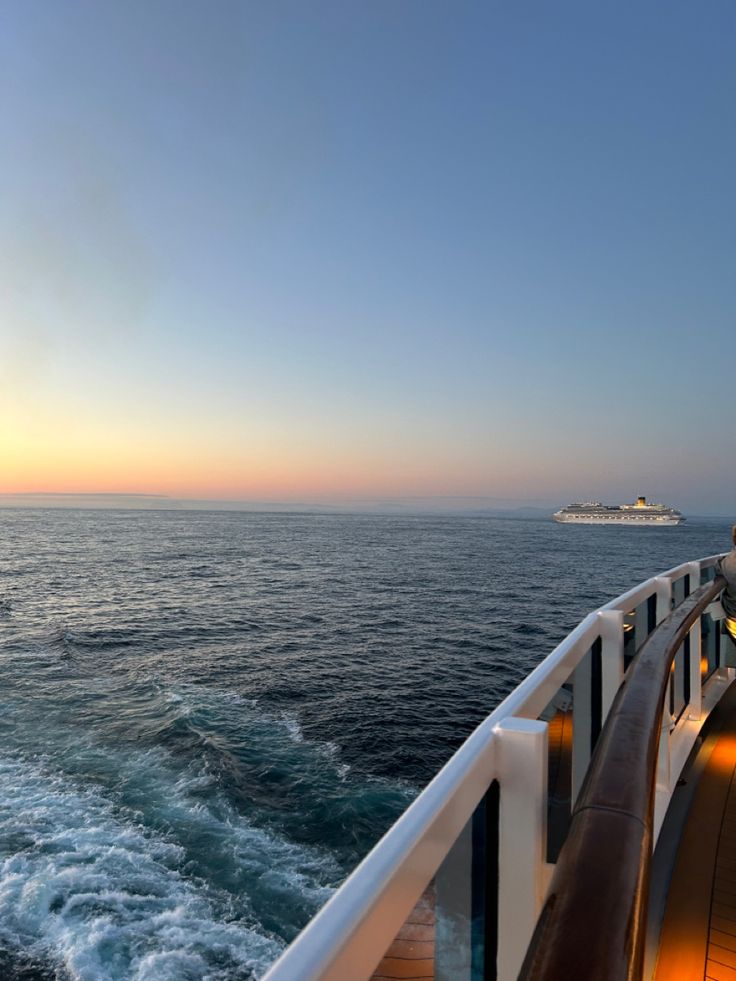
x: 627, y: 522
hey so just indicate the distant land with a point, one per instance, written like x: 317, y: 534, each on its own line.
x: 162, y: 502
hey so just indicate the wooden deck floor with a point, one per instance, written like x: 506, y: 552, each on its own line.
x: 411, y: 956
x: 698, y: 938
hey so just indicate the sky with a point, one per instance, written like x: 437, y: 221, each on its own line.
x: 341, y: 251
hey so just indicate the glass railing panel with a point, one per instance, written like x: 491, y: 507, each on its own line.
x: 638, y: 625
x: 680, y: 680
x: 574, y: 718
x: 709, y: 646
x: 559, y: 718
x: 680, y: 590
x: 728, y: 648
x: 451, y: 934
x: 467, y: 899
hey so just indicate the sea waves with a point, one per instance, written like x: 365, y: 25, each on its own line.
x: 194, y: 845
x: 207, y: 719
x: 101, y: 896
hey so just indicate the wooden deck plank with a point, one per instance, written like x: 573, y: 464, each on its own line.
x: 421, y: 932
x: 723, y: 911
x: 422, y: 918
x: 720, y: 972
x: 403, y: 970
x: 411, y: 949
x: 722, y: 940
x: 722, y: 954
x: 722, y: 924
x: 723, y: 898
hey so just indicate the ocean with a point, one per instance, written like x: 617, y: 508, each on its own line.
x: 208, y: 718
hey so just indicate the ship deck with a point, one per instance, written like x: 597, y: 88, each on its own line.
x: 697, y: 939
x: 411, y: 956
x: 693, y: 928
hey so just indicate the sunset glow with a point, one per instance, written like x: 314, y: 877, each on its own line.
x: 259, y: 267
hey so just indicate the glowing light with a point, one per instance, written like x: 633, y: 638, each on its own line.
x: 730, y: 624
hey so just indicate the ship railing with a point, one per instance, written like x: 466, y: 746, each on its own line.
x: 454, y: 889
x: 599, y: 889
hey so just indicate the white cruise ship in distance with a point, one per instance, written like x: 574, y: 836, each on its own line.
x: 641, y: 513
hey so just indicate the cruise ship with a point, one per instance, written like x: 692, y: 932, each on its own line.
x: 586, y: 830
x: 643, y: 512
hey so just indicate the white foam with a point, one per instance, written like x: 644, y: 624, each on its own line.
x: 193, y: 697
x: 293, y: 728
x: 108, y: 899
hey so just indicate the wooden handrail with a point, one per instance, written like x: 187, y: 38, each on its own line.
x: 592, y: 925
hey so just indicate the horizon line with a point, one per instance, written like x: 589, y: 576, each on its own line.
x: 109, y: 500
x: 316, y: 499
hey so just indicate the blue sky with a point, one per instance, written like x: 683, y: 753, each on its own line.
x: 321, y: 251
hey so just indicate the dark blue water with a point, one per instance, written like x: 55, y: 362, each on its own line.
x: 207, y: 718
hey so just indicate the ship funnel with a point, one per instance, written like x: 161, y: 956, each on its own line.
x: 641, y: 502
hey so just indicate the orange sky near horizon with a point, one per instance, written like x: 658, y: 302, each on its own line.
x: 52, y: 446
x: 55, y: 443
x: 124, y: 470
x: 246, y: 463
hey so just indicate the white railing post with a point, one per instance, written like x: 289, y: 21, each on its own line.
x: 522, y: 841
x: 612, y: 657
x: 693, y: 571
